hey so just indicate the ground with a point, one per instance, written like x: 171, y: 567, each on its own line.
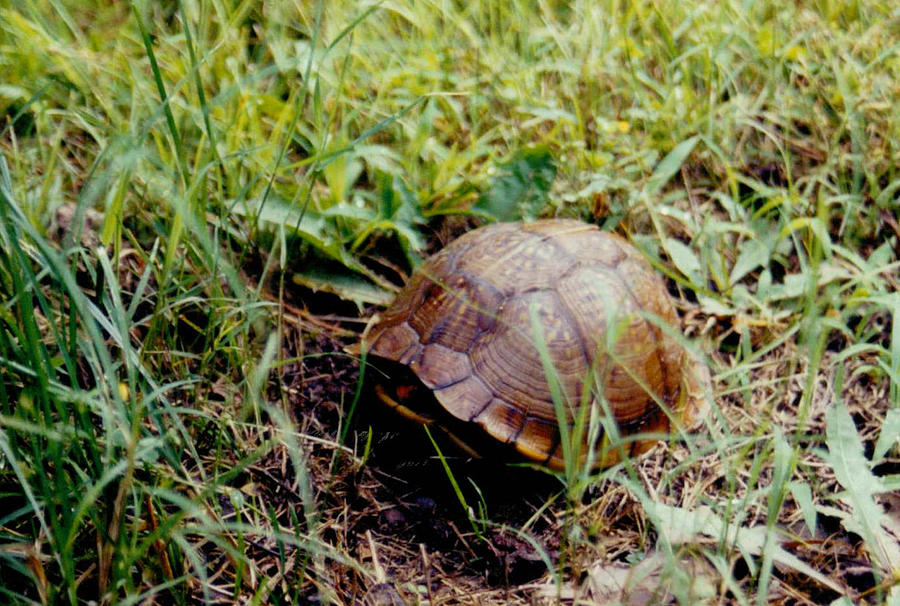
x: 397, y: 512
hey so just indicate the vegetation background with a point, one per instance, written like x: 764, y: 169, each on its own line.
x: 201, y: 201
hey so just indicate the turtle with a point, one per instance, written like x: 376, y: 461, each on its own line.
x: 518, y: 328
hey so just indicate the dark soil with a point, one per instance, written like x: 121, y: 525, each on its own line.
x: 400, y: 505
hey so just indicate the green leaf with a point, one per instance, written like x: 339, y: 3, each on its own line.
x: 399, y: 211
x: 753, y: 254
x: 341, y: 173
x: 794, y: 286
x: 680, y: 526
x: 890, y: 434
x: 521, y: 189
x: 670, y: 165
x: 781, y: 471
x: 845, y: 454
x: 310, y: 226
x: 851, y: 469
x: 685, y: 260
x: 814, y: 225
x: 346, y: 285
x: 803, y: 496
x: 317, y: 230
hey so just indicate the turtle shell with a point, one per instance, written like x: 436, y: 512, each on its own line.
x: 515, y: 327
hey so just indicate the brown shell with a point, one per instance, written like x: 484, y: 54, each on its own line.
x: 465, y: 324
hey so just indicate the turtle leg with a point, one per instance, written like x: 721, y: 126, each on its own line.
x: 409, y: 413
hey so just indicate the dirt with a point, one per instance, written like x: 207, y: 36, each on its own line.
x: 397, y: 511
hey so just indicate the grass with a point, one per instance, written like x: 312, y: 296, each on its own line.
x: 181, y: 181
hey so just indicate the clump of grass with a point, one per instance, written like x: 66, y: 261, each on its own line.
x: 117, y: 484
